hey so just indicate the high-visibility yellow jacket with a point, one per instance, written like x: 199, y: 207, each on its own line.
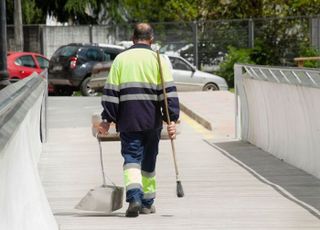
x: 133, y: 97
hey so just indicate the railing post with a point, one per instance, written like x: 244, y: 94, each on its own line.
x: 250, y: 33
x: 44, y: 111
x: 237, y: 73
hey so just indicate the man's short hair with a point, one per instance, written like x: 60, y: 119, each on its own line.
x: 142, y: 31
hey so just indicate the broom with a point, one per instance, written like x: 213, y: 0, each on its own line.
x: 180, y: 192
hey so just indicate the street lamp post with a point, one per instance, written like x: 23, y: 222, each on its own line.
x: 3, y: 46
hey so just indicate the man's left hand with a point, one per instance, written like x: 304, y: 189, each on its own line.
x: 171, y: 129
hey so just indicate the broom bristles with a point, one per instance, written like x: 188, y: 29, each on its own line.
x: 180, y: 192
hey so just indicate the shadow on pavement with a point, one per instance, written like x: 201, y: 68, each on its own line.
x: 90, y: 214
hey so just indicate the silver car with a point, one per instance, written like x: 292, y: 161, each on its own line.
x: 187, y: 77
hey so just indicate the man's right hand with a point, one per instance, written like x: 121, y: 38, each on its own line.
x: 171, y: 129
x: 103, y: 128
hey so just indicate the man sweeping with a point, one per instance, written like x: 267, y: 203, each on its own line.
x: 133, y: 99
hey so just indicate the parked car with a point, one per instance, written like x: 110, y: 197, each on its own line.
x: 70, y: 67
x: 23, y: 64
x: 186, y: 76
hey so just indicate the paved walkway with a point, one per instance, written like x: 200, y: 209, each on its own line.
x: 214, y: 110
x: 220, y: 194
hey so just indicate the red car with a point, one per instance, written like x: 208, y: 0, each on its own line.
x: 23, y: 64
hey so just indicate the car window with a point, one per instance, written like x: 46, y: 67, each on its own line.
x: 94, y: 55
x: 107, y: 56
x: 26, y: 61
x: 66, y: 51
x: 110, y: 55
x: 42, y: 62
x: 177, y: 63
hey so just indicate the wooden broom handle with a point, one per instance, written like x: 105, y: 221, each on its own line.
x: 167, y: 115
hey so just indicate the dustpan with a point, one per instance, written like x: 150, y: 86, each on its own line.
x: 104, y: 198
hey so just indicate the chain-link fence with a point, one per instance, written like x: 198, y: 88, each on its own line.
x: 203, y: 43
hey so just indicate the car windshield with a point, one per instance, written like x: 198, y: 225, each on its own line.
x: 66, y: 51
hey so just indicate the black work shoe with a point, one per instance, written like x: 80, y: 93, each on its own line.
x: 133, y: 209
x: 148, y: 210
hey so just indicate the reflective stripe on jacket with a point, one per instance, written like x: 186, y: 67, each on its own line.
x: 133, y: 97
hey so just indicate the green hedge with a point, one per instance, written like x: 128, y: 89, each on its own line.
x: 260, y: 55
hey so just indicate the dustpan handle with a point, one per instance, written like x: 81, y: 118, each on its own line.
x: 102, y: 167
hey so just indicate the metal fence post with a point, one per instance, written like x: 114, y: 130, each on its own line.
x: 250, y: 33
x: 116, y: 33
x: 314, y: 25
x: 195, y: 43
x: 90, y: 34
x: 318, y: 30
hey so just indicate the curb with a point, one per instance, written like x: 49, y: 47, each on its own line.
x: 196, y: 117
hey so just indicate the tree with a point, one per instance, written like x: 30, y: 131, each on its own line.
x: 18, y: 29
x: 71, y: 11
x: 160, y: 10
x: 31, y: 12
x: 84, y: 11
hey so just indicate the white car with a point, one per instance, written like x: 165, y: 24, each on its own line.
x: 187, y: 77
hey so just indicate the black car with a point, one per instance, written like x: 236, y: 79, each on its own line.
x: 70, y: 67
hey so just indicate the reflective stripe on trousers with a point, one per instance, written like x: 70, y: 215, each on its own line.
x: 148, y: 185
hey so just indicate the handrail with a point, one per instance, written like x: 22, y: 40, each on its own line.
x: 15, y: 100
x: 300, y: 60
x: 284, y: 75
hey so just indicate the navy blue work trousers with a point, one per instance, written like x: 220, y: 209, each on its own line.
x: 140, y: 150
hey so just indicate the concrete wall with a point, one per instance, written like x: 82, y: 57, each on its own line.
x: 46, y: 39
x: 31, y: 35
x: 23, y: 203
x: 56, y: 36
x: 282, y: 119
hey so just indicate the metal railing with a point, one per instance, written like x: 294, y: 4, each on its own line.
x: 286, y: 75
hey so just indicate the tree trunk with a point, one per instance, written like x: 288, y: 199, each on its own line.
x: 18, y: 26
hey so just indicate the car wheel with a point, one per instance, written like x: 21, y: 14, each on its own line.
x: 63, y: 91
x: 210, y: 87
x: 85, y: 88
x: 14, y: 79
